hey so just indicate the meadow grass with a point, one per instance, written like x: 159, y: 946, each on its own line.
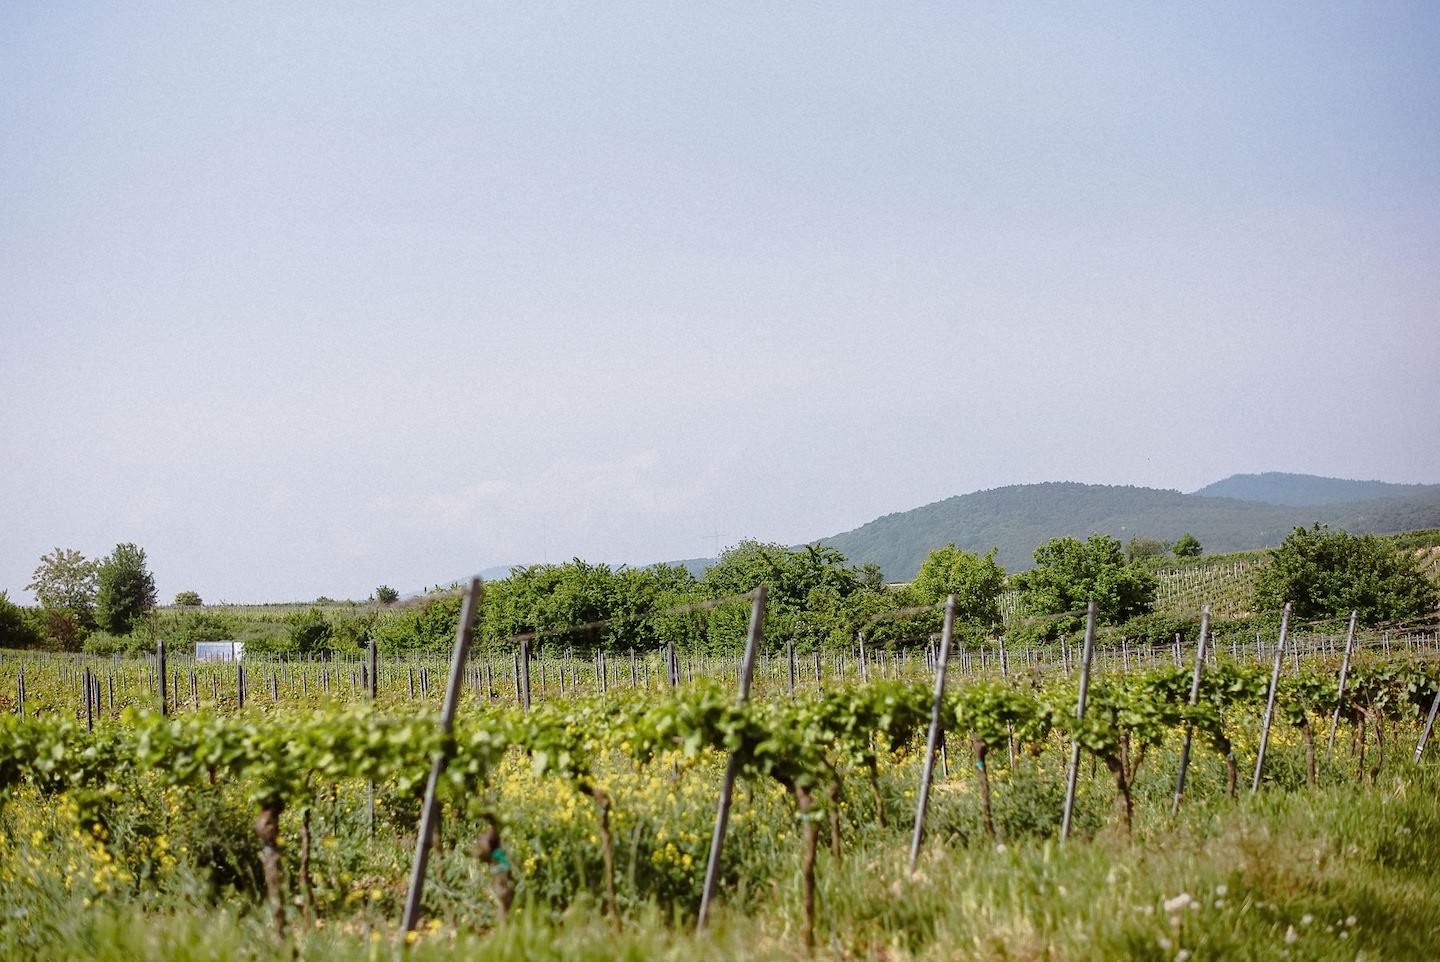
x: 1341, y: 873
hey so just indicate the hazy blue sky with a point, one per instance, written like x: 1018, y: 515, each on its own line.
x: 303, y: 298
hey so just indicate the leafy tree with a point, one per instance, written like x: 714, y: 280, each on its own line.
x: 975, y: 580
x: 386, y: 595
x: 16, y: 631
x: 188, y: 599
x: 127, y: 590
x: 1142, y: 547
x: 65, y: 580
x: 1070, y: 573
x: 815, y: 594
x: 791, y: 573
x: 1325, y: 573
x: 1187, y: 546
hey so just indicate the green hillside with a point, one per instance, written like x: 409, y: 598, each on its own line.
x: 1017, y: 518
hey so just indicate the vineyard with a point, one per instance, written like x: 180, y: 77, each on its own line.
x: 573, y: 796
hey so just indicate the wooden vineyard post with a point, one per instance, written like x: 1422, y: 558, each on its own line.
x: 525, y: 673
x: 732, y: 764
x: 864, y: 668
x: 89, y: 716
x: 373, y: 657
x: 790, y: 659
x: 1429, y: 725
x: 1073, y: 774
x: 1270, y: 700
x: 1194, y: 700
x: 239, y: 684
x: 932, y: 740
x: 1340, y: 695
x: 160, y: 671
x: 430, y: 808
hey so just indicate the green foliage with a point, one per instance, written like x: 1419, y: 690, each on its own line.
x: 126, y: 589
x: 386, y: 595
x: 427, y: 626
x: 188, y: 599
x: 352, y: 634
x: 790, y: 574
x: 104, y: 643
x: 1187, y: 546
x: 194, y: 626
x: 1158, y: 628
x: 65, y: 580
x: 565, y: 604
x: 1142, y: 547
x: 16, y: 628
x: 975, y: 580
x: 1069, y: 573
x: 308, y: 632
x: 62, y: 628
x: 1328, y: 574
x: 816, y: 597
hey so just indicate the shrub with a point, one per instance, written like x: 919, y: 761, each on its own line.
x: 308, y: 632
x: 17, y: 629
x: 1328, y: 574
x: 1187, y: 546
x: 428, y: 626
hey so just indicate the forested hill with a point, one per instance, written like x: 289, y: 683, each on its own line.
x: 1017, y: 518
x: 1276, y: 487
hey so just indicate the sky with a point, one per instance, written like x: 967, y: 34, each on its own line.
x: 308, y: 298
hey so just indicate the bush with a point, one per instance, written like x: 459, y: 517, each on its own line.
x: 352, y: 634
x: 60, y: 628
x: 307, y: 632
x: 104, y: 643
x: 1160, y: 628
x: 1187, y: 546
x: 1142, y: 547
x: 428, y: 626
x: 1328, y: 574
x: 17, y: 629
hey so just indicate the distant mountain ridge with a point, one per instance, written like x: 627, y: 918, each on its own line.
x: 1017, y: 518
x: 1304, y: 490
x: 1239, y: 513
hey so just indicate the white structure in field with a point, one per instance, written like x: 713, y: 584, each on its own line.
x: 219, y: 650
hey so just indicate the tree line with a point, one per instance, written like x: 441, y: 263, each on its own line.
x: 818, y: 599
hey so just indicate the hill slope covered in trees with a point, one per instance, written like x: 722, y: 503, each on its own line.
x: 1017, y: 518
